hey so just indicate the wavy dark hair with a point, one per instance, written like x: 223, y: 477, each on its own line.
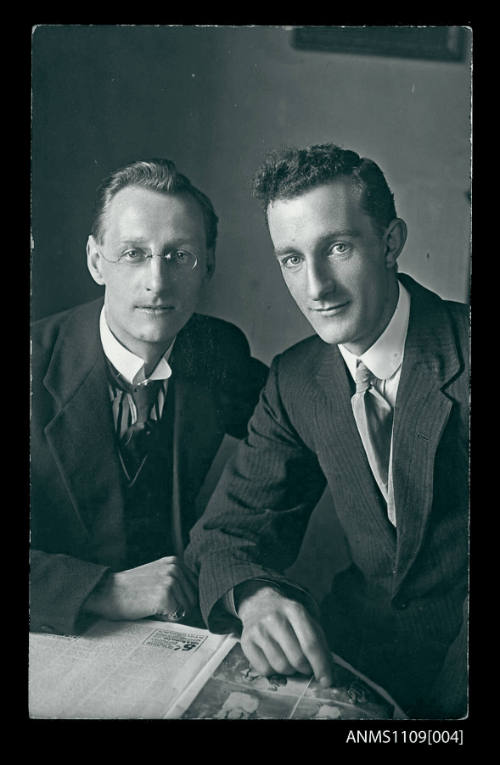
x: 289, y: 172
x: 157, y: 175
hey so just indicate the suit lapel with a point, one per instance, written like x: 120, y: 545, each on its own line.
x: 81, y: 435
x: 341, y: 444
x: 421, y: 413
x: 422, y: 410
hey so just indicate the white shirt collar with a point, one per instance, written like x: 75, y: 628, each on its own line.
x: 130, y: 366
x: 385, y: 356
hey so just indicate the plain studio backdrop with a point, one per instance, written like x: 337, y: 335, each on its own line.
x: 216, y: 100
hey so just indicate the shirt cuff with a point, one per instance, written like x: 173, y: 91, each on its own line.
x: 228, y: 603
x: 294, y: 591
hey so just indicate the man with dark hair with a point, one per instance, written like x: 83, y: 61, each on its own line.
x: 132, y: 397
x: 375, y: 406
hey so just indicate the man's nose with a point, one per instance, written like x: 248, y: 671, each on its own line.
x: 320, y: 280
x: 157, y: 273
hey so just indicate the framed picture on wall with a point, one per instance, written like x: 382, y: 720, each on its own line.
x: 440, y: 43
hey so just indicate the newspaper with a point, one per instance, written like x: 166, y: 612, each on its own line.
x: 235, y: 691
x: 158, y: 670
x: 119, y: 670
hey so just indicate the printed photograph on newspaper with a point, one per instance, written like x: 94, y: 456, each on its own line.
x: 235, y: 691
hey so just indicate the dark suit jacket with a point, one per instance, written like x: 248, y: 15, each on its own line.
x: 397, y: 613
x: 76, y: 488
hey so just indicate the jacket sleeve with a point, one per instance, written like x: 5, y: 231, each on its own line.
x: 255, y: 521
x: 448, y: 696
x: 59, y: 585
x: 59, y: 582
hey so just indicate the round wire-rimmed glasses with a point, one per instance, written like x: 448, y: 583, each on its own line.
x: 180, y: 259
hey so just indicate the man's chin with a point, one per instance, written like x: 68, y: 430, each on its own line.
x: 160, y: 336
x: 159, y: 329
x: 330, y: 335
x: 331, y: 329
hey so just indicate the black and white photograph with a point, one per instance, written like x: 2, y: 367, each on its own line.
x: 236, y: 691
x: 249, y: 373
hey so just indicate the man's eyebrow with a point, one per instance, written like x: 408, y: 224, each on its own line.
x: 352, y: 232
x: 285, y: 251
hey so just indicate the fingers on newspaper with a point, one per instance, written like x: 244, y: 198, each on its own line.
x: 155, y: 670
x: 236, y: 692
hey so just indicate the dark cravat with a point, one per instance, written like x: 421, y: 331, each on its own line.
x: 138, y: 439
x: 373, y: 415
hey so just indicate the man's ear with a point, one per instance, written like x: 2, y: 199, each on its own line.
x: 394, y: 240
x: 94, y: 261
x: 210, y: 263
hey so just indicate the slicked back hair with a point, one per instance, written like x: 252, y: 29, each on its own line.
x: 159, y: 175
x: 289, y: 172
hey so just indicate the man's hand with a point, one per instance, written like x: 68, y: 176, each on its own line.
x: 280, y: 636
x: 158, y: 588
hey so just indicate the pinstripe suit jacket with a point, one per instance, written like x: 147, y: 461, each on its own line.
x: 76, y: 488
x: 398, y: 611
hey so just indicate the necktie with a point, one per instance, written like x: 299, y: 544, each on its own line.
x: 373, y: 415
x: 138, y: 438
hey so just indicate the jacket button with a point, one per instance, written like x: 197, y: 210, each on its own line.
x: 400, y: 604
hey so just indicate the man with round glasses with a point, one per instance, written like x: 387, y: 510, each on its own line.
x: 132, y: 396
